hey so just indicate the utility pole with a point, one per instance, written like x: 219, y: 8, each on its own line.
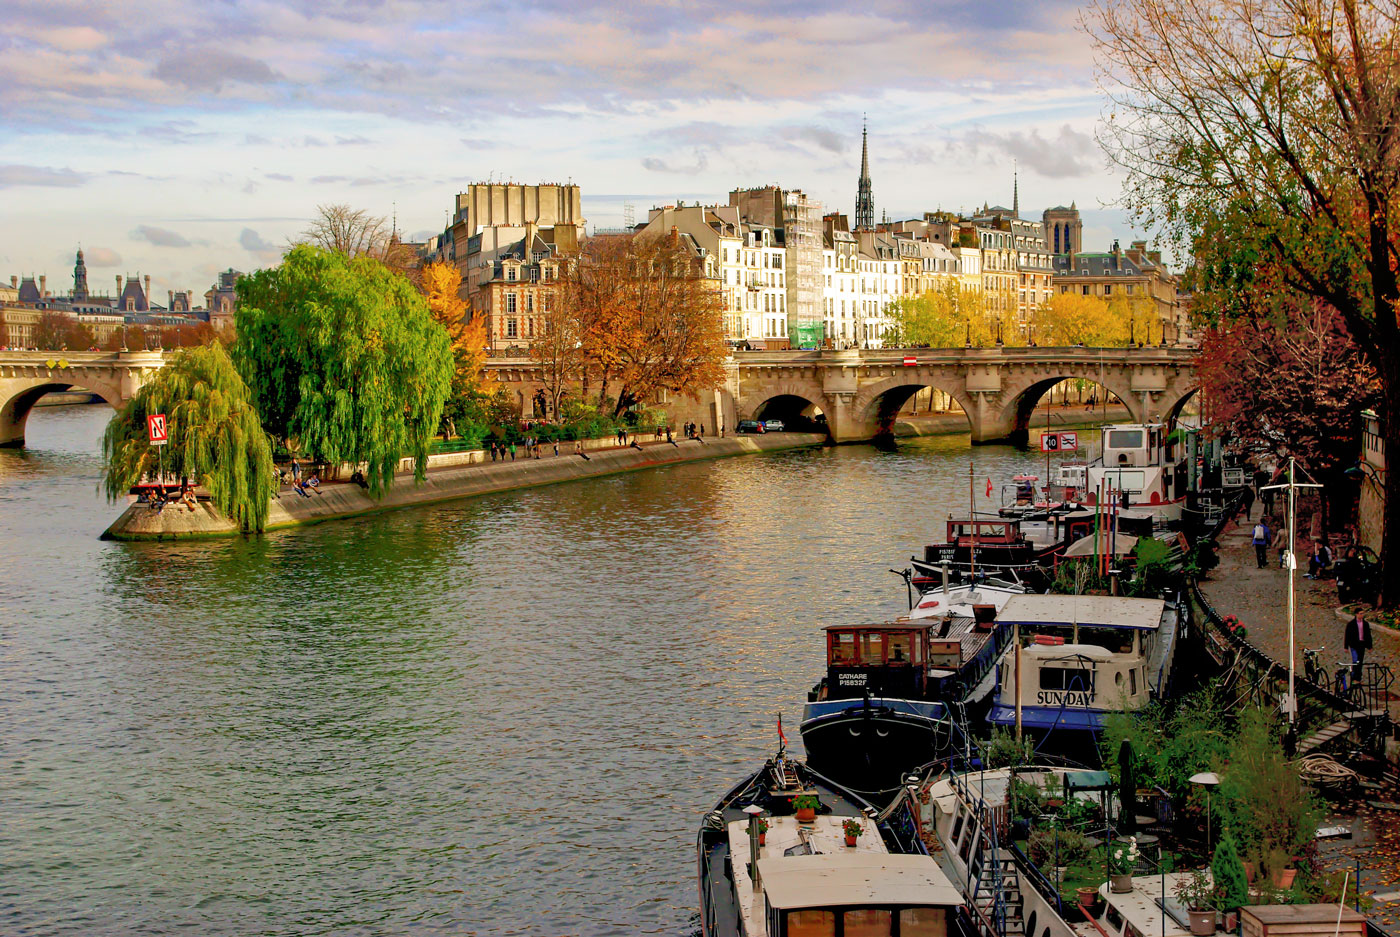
x: 1291, y: 561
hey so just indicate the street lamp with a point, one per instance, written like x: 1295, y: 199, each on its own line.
x: 1365, y: 469
x: 1208, y: 780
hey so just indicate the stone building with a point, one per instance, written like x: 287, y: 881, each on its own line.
x: 516, y: 292
x: 1136, y: 276
x: 1064, y: 232
x: 1370, y: 508
x: 221, y: 299
x: 796, y: 222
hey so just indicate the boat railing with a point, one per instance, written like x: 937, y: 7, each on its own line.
x: 981, y: 887
x: 1039, y: 881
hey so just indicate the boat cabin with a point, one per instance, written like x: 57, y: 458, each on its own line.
x: 895, y: 659
x: 1134, y: 444
x: 851, y: 892
x: 996, y: 542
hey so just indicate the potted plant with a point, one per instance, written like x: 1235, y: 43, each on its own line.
x: 1196, y: 891
x: 1122, y: 863
x: 805, y: 807
x: 1087, y: 895
x: 852, y: 829
x: 762, y: 831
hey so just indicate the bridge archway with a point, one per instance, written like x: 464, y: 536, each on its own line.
x: 877, y: 406
x: 19, y: 403
x: 796, y: 412
x: 1173, y: 413
x: 1022, y: 402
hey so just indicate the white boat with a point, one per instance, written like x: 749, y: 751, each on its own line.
x: 963, y: 600
x: 1139, y: 464
x: 1082, y: 657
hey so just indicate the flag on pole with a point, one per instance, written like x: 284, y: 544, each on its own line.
x: 989, y: 487
x: 781, y: 737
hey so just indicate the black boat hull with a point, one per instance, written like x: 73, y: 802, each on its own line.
x: 871, y: 749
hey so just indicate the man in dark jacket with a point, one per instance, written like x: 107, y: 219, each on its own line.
x: 1358, y: 641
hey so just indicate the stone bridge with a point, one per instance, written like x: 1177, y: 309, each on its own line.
x: 861, y: 391
x: 25, y: 376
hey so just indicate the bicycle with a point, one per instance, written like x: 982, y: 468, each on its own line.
x: 1313, y: 671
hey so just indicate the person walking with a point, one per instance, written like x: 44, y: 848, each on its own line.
x: 1358, y: 641
x: 512, y: 452
x: 1281, y: 542
x: 556, y: 448
x: 1248, y: 501
x: 1261, y: 538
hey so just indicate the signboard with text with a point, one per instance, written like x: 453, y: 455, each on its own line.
x: 155, y: 426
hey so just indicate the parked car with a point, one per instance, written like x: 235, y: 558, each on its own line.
x: 773, y: 426
x: 749, y: 426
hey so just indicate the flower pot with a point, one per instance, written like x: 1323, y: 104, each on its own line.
x: 763, y: 839
x: 1121, y: 883
x: 1086, y: 896
x: 1232, y: 920
x: 1249, y: 871
x: 1202, y: 922
x: 807, y: 815
x: 850, y: 841
x: 1283, y: 878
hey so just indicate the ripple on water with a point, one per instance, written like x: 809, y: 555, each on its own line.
x: 499, y: 716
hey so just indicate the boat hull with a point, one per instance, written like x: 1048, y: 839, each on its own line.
x: 871, y: 749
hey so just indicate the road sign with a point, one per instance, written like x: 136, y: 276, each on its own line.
x: 155, y: 426
x: 1059, y: 442
x: 910, y: 361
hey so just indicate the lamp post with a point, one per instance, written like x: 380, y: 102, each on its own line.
x: 1292, y: 563
x: 1208, y: 780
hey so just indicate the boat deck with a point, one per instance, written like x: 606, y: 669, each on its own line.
x: 1142, y: 908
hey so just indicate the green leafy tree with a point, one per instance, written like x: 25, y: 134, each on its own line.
x: 344, y: 360
x: 1227, y: 870
x: 216, y: 438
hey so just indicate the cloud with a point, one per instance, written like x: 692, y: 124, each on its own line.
x: 823, y: 137
x: 73, y: 38
x: 101, y: 257
x: 15, y: 175
x: 278, y: 177
x: 328, y: 180
x: 1070, y: 153
x: 658, y: 165
x: 207, y: 69
x: 264, y: 251
x: 160, y: 237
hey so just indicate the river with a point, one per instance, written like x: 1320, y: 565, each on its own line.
x: 503, y: 715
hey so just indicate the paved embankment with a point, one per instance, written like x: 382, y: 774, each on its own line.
x: 139, y: 522
x: 947, y: 423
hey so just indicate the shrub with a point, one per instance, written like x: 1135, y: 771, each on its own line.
x: 1231, y: 883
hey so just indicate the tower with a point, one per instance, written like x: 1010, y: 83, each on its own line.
x: 1064, y: 231
x: 1016, y: 191
x: 80, y: 289
x: 865, y: 202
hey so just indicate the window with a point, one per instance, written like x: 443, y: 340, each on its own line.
x: 510, y: 274
x: 811, y: 922
x: 1108, y: 289
x: 531, y: 325
x: 1065, y: 678
x: 957, y: 826
x: 546, y: 301
x: 900, y: 651
x: 868, y: 922
x: 529, y: 302
x: 511, y: 329
x: 510, y: 302
x: 1132, y: 682
x: 1086, y: 289
x: 1115, y: 920
x: 1125, y: 439
x: 534, y: 274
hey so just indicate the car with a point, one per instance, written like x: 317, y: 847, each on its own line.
x: 749, y: 426
x: 773, y: 426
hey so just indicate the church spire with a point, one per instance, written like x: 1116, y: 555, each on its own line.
x: 865, y: 202
x: 1015, y: 190
x: 80, y: 286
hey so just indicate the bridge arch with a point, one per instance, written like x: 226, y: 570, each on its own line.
x: 1019, y: 400
x: 16, y: 403
x: 767, y: 400
x: 1172, y: 413
x: 877, y: 405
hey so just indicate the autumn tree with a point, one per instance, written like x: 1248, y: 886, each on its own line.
x: 558, y: 347
x: 215, y: 437
x: 441, y: 284
x: 344, y: 360
x: 647, y: 319
x: 345, y: 230
x: 51, y: 332
x: 1265, y: 135
x: 952, y: 317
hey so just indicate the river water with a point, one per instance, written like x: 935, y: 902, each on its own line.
x: 503, y: 715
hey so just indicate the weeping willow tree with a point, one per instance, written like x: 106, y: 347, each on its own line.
x: 343, y: 360
x: 216, y: 438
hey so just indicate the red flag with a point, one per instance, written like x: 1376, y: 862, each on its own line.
x: 989, y: 487
x: 781, y: 737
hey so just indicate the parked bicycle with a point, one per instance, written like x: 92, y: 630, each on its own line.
x: 1339, y: 683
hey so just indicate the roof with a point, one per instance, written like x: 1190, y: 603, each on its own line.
x: 855, y: 879
x: 1122, y: 545
x: 1109, y: 611
x: 1066, y: 652
x: 1301, y: 914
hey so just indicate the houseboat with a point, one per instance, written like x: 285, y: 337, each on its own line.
x: 1004, y: 892
x: 1079, y: 658
x: 768, y: 870
x: 1151, y: 909
x: 894, y: 694
x: 1143, y: 469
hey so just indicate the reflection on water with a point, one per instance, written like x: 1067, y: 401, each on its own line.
x: 500, y: 716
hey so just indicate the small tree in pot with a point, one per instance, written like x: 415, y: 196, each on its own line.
x: 1196, y: 891
x: 1231, y: 882
x: 852, y: 829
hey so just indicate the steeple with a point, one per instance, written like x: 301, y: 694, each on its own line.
x: 865, y: 202
x: 80, y: 287
x: 1015, y: 190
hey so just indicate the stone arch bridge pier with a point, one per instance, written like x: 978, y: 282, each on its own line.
x: 25, y: 376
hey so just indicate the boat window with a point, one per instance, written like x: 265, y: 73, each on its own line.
x: 900, y: 652
x: 1118, y: 678
x: 811, y: 922
x: 1125, y: 439
x: 843, y: 647
x: 1115, y: 920
x: 1046, y: 932
x: 957, y: 827
x: 868, y: 922
x: 918, y: 648
x: 923, y: 922
x: 1127, y: 481
x: 1030, y: 924
x: 1132, y: 682
x: 1132, y: 932
x: 872, y: 648
x: 1065, y: 678
x: 967, y: 842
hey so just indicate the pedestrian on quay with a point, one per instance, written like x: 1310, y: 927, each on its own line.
x: 1281, y: 542
x: 1248, y: 501
x: 556, y: 448
x: 512, y: 452
x: 296, y: 470
x: 1358, y: 641
x: 1261, y: 538
x: 1320, y: 560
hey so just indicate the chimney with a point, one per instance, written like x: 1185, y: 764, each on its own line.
x: 43, y: 291
x: 14, y: 282
x: 148, y: 289
x: 170, y: 303
x: 119, y: 286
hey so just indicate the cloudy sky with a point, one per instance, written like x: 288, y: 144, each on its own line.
x: 177, y: 139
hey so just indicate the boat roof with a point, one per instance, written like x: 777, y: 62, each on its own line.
x: 1097, y: 611
x: 855, y: 879
x: 902, y: 624
x: 1066, y: 652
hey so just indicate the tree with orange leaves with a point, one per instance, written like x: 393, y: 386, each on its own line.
x: 647, y: 319
x: 440, y: 283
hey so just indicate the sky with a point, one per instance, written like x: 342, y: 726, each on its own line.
x: 177, y: 139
